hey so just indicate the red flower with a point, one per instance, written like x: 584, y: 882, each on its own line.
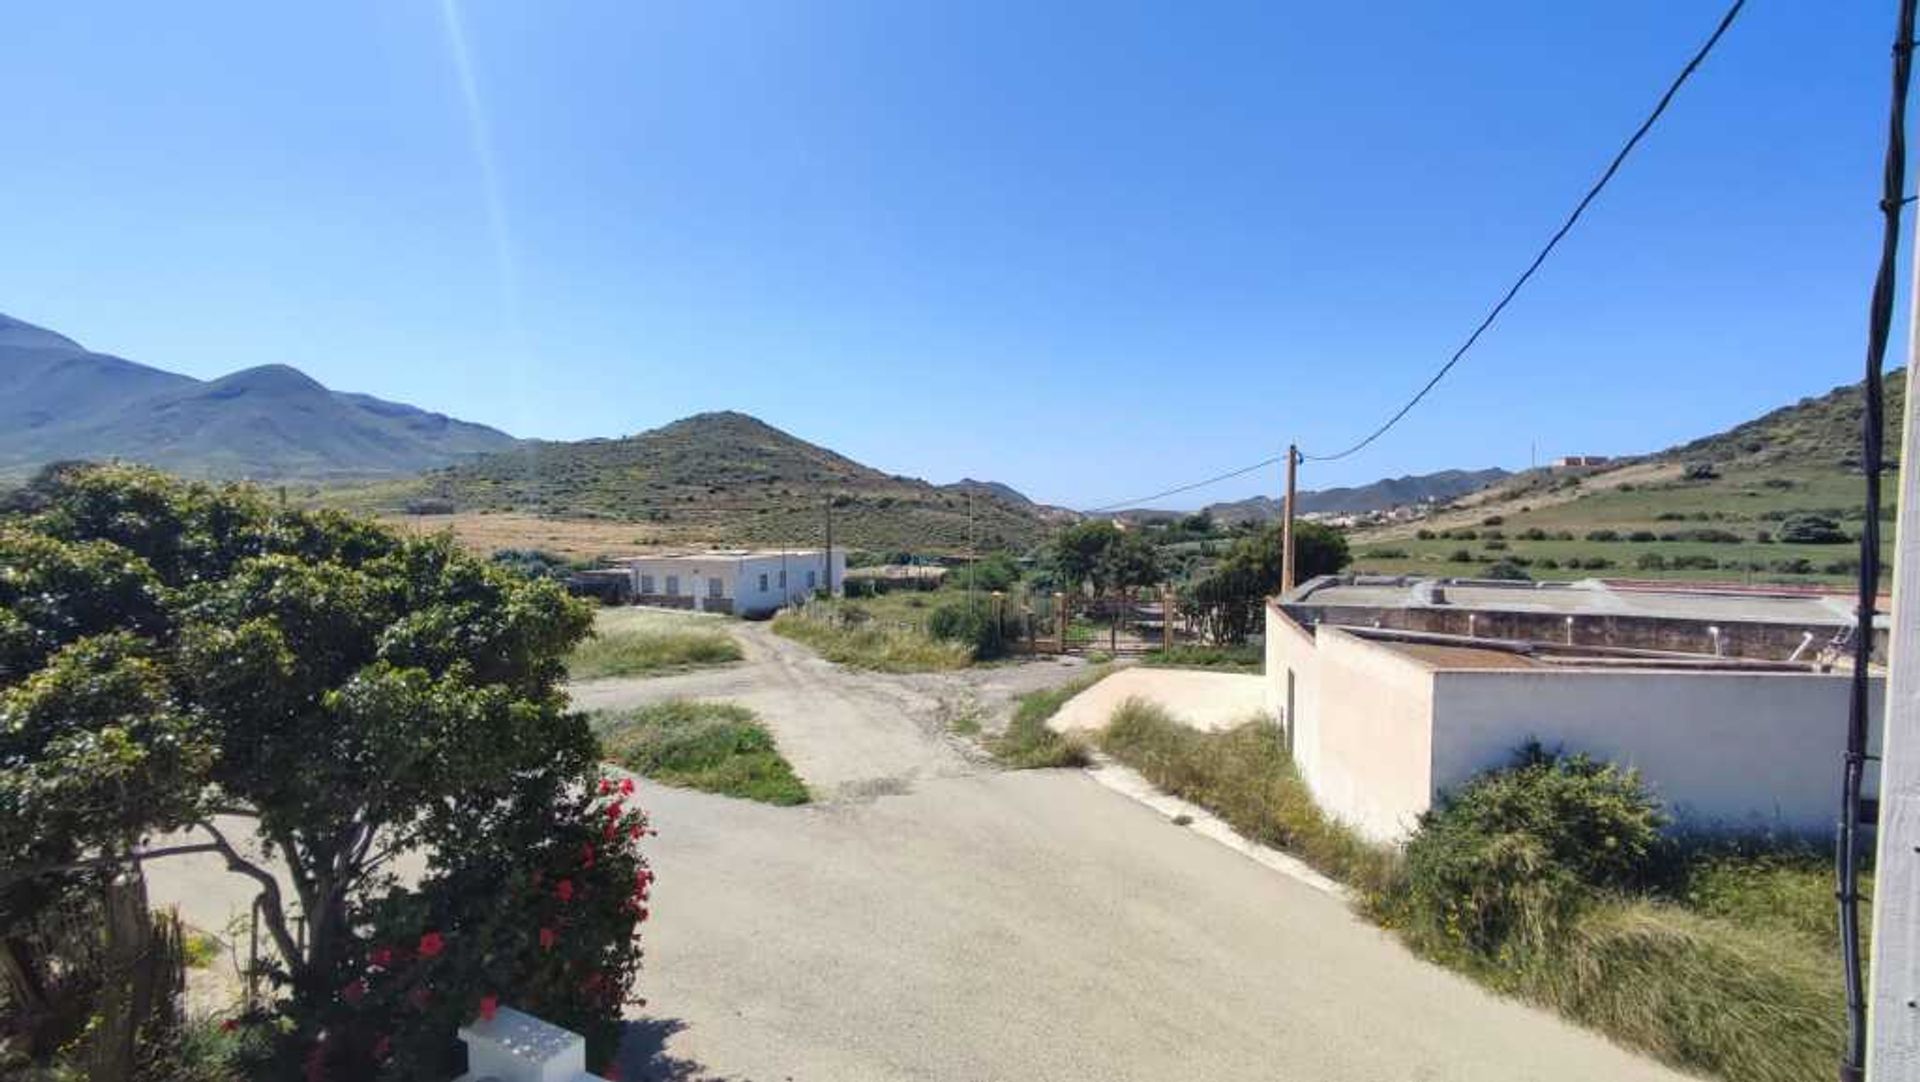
x: 381, y: 956
x: 431, y: 944
x: 606, y: 786
x: 586, y: 855
x: 612, y: 828
x: 420, y: 997
x: 640, y: 915
x: 489, y: 1004
x: 228, y: 1025
x: 626, y: 786
x: 546, y: 939
x: 614, y: 810
x: 633, y: 833
x: 383, y: 1047
x: 563, y: 890
x: 354, y: 992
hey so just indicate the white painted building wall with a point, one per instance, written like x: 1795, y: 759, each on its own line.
x: 1379, y: 735
x: 749, y: 583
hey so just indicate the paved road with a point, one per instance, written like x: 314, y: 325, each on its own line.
x: 935, y: 918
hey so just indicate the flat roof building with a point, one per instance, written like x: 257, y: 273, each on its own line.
x: 1730, y: 702
x: 743, y: 582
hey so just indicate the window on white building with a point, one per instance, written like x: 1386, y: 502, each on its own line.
x: 646, y: 584
x: 783, y: 578
x: 713, y: 587
x: 673, y: 586
x: 809, y: 580
x: 763, y: 582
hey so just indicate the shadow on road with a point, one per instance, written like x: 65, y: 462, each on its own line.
x: 643, y: 1054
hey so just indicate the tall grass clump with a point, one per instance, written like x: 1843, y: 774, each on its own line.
x: 1244, y: 658
x: 715, y: 747
x: 649, y: 651
x: 847, y: 635
x: 1029, y: 743
x: 1244, y: 776
x: 1551, y: 879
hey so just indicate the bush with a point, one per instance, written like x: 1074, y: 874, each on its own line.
x: 1493, y: 520
x: 1563, y: 535
x: 1533, y: 533
x: 1700, y: 471
x: 1641, y: 536
x: 1460, y: 556
x: 1603, y: 535
x: 1651, y: 561
x: 641, y: 653
x: 1693, y: 562
x: 1671, y: 516
x: 1493, y: 535
x: 1029, y: 743
x: 1812, y: 530
x: 1513, y: 856
x: 1592, y: 563
x: 1424, y: 534
x: 1506, y: 570
x: 971, y: 627
x: 1387, y: 553
x: 1495, y: 545
x: 1798, y: 565
x: 1548, y: 563
x: 1849, y: 565
x: 1764, y: 537
x: 1464, y: 535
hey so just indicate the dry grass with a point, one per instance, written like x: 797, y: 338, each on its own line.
x: 574, y: 538
x: 1029, y: 743
x: 711, y: 746
x: 867, y: 644
x: 639, y: 642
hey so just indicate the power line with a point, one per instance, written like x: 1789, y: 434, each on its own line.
x: 1262, y: 464
x: 1565, y: 227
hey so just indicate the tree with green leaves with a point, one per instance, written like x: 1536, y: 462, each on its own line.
x: 1101, y: 554
x: 1227, y: 601
x: 183, y: 664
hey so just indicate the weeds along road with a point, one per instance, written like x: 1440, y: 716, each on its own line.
x: 934, y: 917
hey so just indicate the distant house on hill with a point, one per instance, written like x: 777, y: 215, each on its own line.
x: 1565, y: 461
x: 742, y: 582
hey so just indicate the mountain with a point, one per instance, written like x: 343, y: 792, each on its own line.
x: 728, y: 478
x: 60, y: 400
x: 1378, y: 496
x: 1714, y: 508
x: 993, y: 490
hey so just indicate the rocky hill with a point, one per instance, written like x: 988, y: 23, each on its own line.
x: 730, y: 478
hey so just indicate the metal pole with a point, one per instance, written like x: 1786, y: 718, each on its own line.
x: 1286, y: 523
x: 1893, y: 1023
x: 829, y: 561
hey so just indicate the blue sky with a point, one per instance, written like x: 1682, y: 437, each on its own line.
x: 1089, y: 249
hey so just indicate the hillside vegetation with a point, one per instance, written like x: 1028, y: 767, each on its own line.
x: 1777, y: 499
x: 723, y: 478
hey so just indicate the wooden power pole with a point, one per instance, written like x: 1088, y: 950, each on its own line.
x: 829, y: 560
x: 1286, y: 523
x: 1893, y: 1023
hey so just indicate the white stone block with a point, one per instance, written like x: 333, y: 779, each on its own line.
x: 513, y: 1046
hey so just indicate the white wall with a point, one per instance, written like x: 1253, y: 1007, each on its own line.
x: 1722, y: 750
x: 740, y: 577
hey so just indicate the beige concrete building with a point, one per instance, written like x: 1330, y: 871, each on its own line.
x: 1394, y: 690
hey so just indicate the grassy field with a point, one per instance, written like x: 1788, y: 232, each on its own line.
x: 1240, y: 659
x: 1726, y: 965
x: 644, y: 642
x: 845, y: 632
x: 711, y: 746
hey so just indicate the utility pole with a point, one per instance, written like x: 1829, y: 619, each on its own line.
x: 829, y: 560
x: 1286, y: 523
x: 1893, y: 1025
x: 970, y: 550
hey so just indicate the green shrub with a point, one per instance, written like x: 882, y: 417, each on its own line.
x: 1508, y: 860
x: 1592, y: 563
x: 1798, y: 565
x: 1028, y: 742
x: 851, y: 638
x: 1507, y: 570
x: 1651, y: 561
x: 1424, y: 534
x: 1642, y: 536
x: 1812, y: 530
x: 1548, y: 563
x: 1603, y: 535
x: 1563, y: 535
x: 1690, y: 561
x: 1460, y: 556
x: 1492, y: 520
x: 1495, y: 545
x: 1533, y: 533
x: 1386, y: 553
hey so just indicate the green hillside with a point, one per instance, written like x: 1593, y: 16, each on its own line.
x: 1775, y: 500
x: 724, y: 478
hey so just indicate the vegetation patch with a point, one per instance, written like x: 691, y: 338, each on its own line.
x: 1244, y: 658
x: 668, y: 645
x: 714, y: 747
x: 847, y: 634
x: 1028, y: 742
x: 1245, y: 776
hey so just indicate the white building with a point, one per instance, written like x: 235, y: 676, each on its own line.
x: 1394, y: 691
x: 738, y: 581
